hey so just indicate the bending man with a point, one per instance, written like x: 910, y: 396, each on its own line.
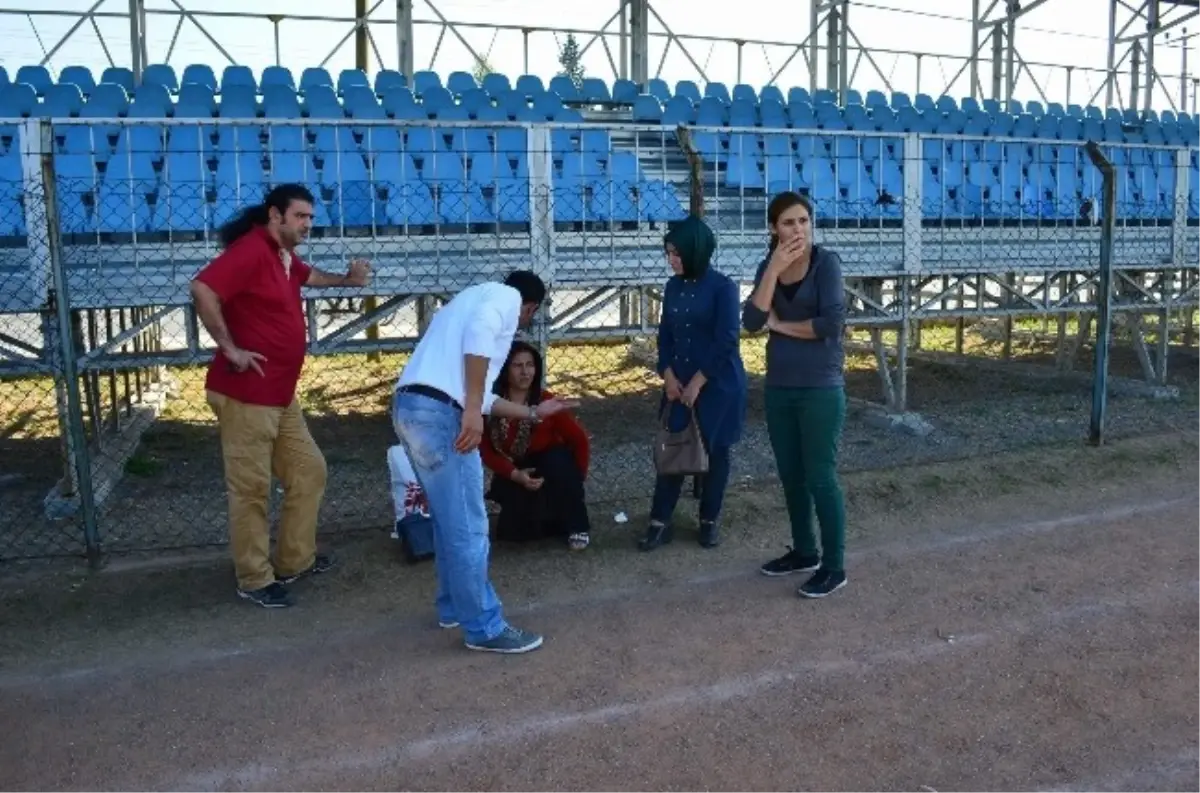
x: 441, y: 398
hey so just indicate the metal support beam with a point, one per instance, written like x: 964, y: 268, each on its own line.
x: 137, y: 38
x: 832, y: 19
x: 1133, y: 29
x: 639, y: 45
x: 996, y: 23
x: 404, y: 37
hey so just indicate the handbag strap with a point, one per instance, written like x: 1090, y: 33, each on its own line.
x: 662, y: 417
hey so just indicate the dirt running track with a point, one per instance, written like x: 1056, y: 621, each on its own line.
x: 1059, y: 654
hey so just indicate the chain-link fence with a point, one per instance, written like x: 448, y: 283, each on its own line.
x: 108, y: 442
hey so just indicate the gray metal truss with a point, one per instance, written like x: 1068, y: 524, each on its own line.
x: 1134, y: 29
x: 636, y: 28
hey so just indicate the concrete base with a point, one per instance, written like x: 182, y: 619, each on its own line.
x: 908, y: 422
x: 108, y: 461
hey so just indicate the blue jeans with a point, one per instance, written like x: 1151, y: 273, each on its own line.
x: 453, y: 484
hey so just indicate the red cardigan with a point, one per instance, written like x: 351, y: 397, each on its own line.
x: 561, y: 429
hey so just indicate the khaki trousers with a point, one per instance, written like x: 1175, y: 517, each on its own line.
x: 257, y: 441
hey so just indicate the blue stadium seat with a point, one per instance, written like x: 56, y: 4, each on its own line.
x: 277, y: 76
x: 647, y: 110
x: 37, y: 77
x: 496, y: 84
x: 315, y: 77
x: 594, y: 90
x: 119, y: 75
x: 236, y: 74
x: 62, y: 100
x: 424, y: 81
x: 17, y: 100
x: 352, y: 77
x: 199, y: 73
x: 771, y: 93
x: 529, y: 85
x: 151, y: 101
x: 625, y: 91
x: 12, y: 191
x: 238, y: 101
x: 658, y: 89
x: 462, y: 203
x: 408, y: 203
x: 565, y: 88
x: 80, y: 76
x: 718, y: 91
x: 460, y: 82
x: 387, y: 79
x: 280, y: 101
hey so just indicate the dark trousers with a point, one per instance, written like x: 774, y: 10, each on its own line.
x: 557, y: 509
x: 712, y: 489
x: 805, y: 425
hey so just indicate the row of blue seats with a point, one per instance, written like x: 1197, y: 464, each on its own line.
x: 153, y: 102
x: 152, y: 207
x: 239, y: 77
x: 148, y: 206
x: 110, y: 100
x: 459, y: 84
x: 333, y: 165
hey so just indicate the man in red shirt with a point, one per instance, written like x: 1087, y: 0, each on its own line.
x: 249, y: 300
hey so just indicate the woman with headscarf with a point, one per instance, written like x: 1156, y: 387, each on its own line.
x: 700, y: 362
x: 539, y: 469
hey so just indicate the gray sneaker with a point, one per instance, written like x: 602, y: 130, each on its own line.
x: 511, y: 641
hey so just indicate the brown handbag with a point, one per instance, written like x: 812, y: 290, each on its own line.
x: 679, y: 453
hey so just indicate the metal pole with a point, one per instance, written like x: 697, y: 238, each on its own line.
x: 1183, y: 92
x: 1104, y: 298
x: 61, y: 300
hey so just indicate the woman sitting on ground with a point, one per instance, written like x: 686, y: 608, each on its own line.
x: 539, y: 468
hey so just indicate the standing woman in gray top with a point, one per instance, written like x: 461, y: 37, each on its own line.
x: 798, y: 296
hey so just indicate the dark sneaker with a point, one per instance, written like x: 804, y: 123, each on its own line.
x: 511, y: 641
x: 322, y: 564
x: 791, y: 562
x: 824, y: 582
x: 272, y: 596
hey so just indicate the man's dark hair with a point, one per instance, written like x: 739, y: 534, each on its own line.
x: 280, y: 197
x: 528, y: 284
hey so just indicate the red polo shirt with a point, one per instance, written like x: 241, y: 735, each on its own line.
x: 265, y: 314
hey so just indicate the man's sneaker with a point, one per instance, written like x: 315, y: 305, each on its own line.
x: 322, y: 564
x: 791, y: 562
x: 511, y: 641
x: 823, y: 583
x: 272, y: 596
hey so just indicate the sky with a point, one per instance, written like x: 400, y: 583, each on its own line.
x: 1058, y: 34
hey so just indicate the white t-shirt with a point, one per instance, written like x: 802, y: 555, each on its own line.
x: 480, y: 320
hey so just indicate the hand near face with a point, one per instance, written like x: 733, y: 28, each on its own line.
x: 785, y: 253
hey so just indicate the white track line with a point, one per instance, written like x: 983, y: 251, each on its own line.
x: 944, y: 541
x: 446, y: 744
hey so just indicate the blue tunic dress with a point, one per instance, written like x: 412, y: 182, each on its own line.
x: 699, y: 331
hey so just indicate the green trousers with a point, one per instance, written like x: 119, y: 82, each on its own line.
x: 805, y: 425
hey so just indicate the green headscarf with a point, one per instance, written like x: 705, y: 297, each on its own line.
x: 695, y: 242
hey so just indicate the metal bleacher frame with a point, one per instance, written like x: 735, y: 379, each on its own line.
x: 901, y: 269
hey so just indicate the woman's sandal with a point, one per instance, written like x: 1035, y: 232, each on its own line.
x: 578, y: 541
